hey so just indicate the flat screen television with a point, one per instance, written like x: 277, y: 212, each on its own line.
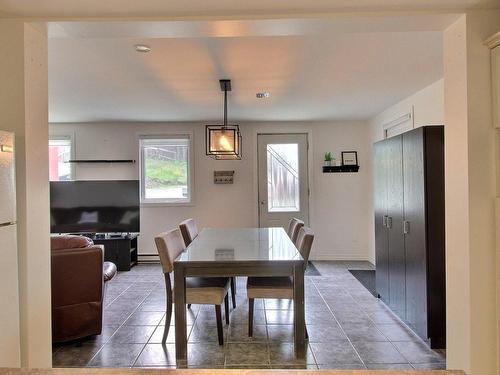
x: 94, y: 206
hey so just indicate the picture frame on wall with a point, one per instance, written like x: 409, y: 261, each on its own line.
x: 349, y: 157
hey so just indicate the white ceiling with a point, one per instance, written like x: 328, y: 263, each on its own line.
x: 218, y: 8
x: 345, y: 68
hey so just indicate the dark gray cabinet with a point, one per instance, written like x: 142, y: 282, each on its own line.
x: 409, y: 229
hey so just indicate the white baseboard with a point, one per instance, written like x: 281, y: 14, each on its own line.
x: 344, y: 257
x: 320, y: 256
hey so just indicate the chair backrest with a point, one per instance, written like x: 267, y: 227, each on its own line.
x: 189, y: 230
x: 293, y: 229
x: 305, y: 240
x: 169, y: 245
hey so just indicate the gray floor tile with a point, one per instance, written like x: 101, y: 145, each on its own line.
x: 74, y: 355
x: 429, y: 366
x: 247, y: 354
x: 418, y: 352
x: 239, y: 333
x: 284, y: 353
x: 378, y: 352
x: 335, y: 353
x: 157, y: 355
x: 397, y: 332
x: 132, y: 334
x: 145, y: 318
x: 363, y: 332
x: 205, y: 333
x: 389, y: 366
x: 280, y: 333
x: 343, y: 366
x: 325, y: 333
x: 116, y: 355
x: 158, y: 334
x: 279, y: 316
x: 206, y: 354
x: 140, y: 295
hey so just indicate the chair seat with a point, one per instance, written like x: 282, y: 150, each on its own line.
x: 270, y: 287
x: 206, y: 290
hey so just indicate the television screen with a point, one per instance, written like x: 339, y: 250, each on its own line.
x: 94, y: 206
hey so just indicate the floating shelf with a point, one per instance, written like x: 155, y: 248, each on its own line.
x: 102, y: 161
x: 341, y: 169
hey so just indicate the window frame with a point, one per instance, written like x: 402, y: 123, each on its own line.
x: 190, y: 175
x: 71, y: 139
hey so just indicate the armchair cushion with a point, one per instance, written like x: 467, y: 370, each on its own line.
x: 108, y: 270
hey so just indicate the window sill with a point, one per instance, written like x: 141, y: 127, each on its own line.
x: 167, y: 204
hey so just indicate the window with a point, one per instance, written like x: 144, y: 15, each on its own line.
x: 166, y: 169
x: 283, y: 177
x: 60, y: 151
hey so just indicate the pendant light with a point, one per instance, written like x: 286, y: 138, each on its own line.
x: 223, y: 142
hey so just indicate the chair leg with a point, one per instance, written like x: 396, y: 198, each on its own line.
x: 250, y: 317
x: 168, y: 316
x: 226, y: 306
x: 189, y: 306
x: 233, y: 291
x: 220, y: 332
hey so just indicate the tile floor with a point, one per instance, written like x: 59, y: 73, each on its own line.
x: 348, y: 329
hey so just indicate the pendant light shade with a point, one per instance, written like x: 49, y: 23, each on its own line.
x: 223, y: 142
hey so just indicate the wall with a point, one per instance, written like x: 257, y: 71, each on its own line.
x: 470, y: 194
x: 427, y: 106
x: 23, y: 110
x: 338, y: 203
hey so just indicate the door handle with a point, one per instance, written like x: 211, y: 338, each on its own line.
x: 406, y: 227
x: 389, y: 222
x: 384, y: 221
x: 262, y: 202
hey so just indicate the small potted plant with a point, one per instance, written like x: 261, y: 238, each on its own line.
x: 328, y: 159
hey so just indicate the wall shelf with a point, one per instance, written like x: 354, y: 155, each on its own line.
x: 102, y: 161
x: 341, y: 169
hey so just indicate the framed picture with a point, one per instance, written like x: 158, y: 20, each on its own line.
x: 349, y: 158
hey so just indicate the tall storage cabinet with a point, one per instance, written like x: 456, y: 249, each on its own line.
x: 409, y: 229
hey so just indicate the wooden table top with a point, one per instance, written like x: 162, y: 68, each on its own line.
x: 89, y: 371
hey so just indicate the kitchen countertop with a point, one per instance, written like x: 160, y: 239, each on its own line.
x: 89, y: 371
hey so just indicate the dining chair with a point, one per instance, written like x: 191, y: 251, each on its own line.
x: 189, y: 232
x: 277, y: 287
x: 199, y: 290
x: 293, y: 229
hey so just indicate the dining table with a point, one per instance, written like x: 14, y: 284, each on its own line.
x: 229, y: 252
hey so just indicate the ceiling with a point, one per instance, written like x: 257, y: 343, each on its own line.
x: 218, y: 8
x: 315, y: 69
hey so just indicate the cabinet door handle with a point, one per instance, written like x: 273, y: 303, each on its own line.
x: 384, y: 221
x: 389, y: 222
x: 406, y: 227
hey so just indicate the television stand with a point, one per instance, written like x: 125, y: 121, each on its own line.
x: 119, y: 249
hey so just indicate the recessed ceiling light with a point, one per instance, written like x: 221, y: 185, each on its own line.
x: 142, y: 48
x: 264, y: 94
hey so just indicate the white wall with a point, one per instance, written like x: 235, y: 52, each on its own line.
x: 338, y: 211
x: 470, y: 195
x: 427, y: 106
x: 24, y: 111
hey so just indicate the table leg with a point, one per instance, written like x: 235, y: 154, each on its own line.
x: 299, y: 312
x: 180, y: 315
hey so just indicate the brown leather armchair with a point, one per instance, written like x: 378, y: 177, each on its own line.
x: 79, y: 274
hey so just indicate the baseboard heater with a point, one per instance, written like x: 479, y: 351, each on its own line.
x: 148, y: 258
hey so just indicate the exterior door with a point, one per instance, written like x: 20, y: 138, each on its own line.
x: 283, y: 179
